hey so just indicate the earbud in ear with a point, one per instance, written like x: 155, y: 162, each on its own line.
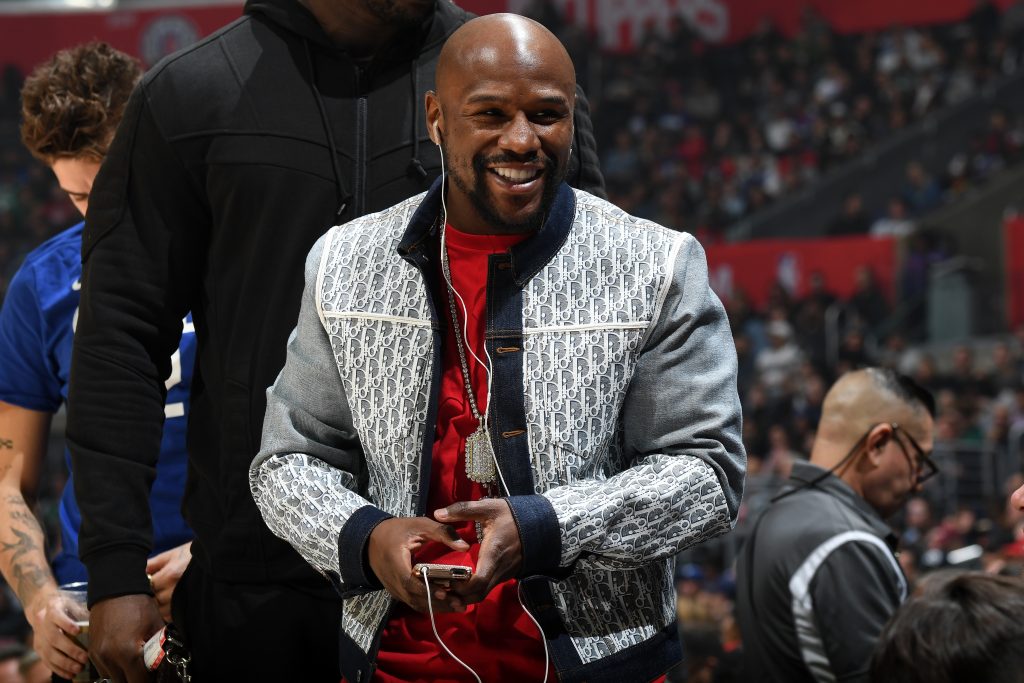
x: 437, y: 134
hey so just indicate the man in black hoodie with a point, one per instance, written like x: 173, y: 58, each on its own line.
x: 233, y: 157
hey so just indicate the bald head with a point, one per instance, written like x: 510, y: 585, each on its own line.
x: 858, y: 401
x: 508, y: 44
x: 503, y: 117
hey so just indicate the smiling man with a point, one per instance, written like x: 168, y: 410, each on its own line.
x: 510, y: 375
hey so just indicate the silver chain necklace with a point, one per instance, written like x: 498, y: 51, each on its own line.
x: 480, y: 463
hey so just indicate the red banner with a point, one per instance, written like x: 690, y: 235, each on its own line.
x: 1013, y: 232
x: 28, y: 39
x: 754, y: 267
x: 621, y: 24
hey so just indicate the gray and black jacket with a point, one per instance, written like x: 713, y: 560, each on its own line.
x: 816, y: 582
x: 614, y: 418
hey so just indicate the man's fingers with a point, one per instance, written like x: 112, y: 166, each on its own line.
x: 63, y: 671
x: 474, y: 590
x: 442, y: 600
x: 157, y: 562
x: 460, y: 512
x: 70, y: 648
x: 64, y: 622
x: 63, y: 665
x: 442, y: 533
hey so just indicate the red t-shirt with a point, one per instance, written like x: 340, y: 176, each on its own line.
x: 494, y: 637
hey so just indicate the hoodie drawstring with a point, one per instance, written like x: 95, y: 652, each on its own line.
x: 415, y: 164
x: 338, y: 186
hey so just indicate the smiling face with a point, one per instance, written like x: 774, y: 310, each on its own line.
x: 502, y: 114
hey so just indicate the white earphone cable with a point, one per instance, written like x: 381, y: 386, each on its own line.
x: 433, y: 625
x: 486, y: 367
x: 462, y: 302
x: 543, y: 640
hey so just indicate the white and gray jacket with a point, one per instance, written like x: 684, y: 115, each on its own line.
x: 614, y: 418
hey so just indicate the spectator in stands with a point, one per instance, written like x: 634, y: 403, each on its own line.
x: 1004, y: 376
x: 922, y: 193
x: 817, y: 580
x: 917, y: 521
x: 963, y: 378
x: 895, y: 222
x: 852, y: 353
x: 853, y: 220
x: 778, y: 364
x: 962, y: 628
x: 868, y: 302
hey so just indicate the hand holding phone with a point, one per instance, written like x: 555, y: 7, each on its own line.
x: 393, y: 544
x: 443, y: 574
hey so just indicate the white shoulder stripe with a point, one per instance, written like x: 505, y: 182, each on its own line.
x: 319, y: 294
x: 359, y: 315
x: 595, y: 327
x: 670, y: 272
x: 812, y: 649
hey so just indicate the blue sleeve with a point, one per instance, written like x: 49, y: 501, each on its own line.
x: 27, y: 379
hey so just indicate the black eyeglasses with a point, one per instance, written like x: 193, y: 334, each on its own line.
x: 923, y: 462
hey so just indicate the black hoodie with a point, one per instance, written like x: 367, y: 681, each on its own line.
x: 233, y: 157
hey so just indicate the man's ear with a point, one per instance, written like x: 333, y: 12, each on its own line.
x: 876, y: 443
x: 433, y: 113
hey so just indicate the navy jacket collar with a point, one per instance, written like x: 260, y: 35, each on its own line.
x: 527, y: 257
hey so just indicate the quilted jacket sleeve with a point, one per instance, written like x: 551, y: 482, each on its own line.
x: 305, y: 478
x: 684, y: 462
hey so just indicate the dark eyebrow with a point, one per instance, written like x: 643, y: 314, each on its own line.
x: 498, y: 99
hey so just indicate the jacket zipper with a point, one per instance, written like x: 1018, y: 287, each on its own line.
x: 361, y: 135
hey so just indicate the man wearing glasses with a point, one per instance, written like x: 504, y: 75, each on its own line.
x: 818, y: 578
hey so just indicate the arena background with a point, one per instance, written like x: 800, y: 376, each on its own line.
x: 853, y: 170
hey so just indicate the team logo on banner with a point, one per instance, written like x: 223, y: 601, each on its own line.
x: 165, y: 35
x: 623, y: 23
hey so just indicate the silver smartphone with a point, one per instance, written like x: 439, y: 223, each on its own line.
x: 443, y: 572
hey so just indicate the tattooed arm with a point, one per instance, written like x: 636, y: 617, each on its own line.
x: 23, y: 437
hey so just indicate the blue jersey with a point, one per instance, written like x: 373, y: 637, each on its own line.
x: 37, y: 325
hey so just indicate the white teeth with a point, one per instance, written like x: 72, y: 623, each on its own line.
x: 516, y: 175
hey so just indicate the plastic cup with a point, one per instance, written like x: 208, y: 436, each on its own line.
x: 76, y: 601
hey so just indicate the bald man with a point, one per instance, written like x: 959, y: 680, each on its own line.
x: 818, y: 578
x: 512, y: 376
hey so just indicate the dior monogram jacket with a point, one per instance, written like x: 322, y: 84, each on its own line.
x: 614, y: 419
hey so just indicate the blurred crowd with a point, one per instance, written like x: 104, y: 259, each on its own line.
x: 719, y: 132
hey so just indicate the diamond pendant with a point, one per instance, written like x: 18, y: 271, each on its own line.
x: 480, y: 466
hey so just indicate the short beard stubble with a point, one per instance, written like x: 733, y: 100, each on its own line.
x: 480, y: 195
